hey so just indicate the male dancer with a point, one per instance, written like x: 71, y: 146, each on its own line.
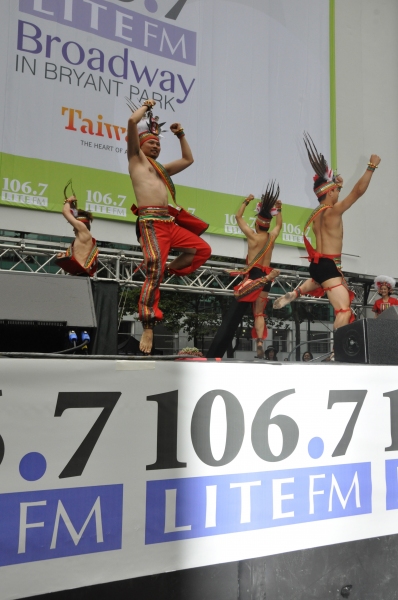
x: 159, y: 233
x: 325, y: 259
x: 259, y: 274
x: 81, y: 258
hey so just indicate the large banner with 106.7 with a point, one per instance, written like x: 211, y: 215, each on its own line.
x: 133, y: 468
x: 71, y: 64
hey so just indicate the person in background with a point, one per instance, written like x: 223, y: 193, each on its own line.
x: 307, y: 356
x: 270, y: 354
x: 385, y: 286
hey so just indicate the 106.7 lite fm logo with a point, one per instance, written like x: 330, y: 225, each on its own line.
x: 40, y: 525
x: 53, y: 523
x: 193, y: 507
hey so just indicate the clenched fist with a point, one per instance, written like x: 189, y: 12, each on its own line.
x: 375, y: 160
x: 175, y: 127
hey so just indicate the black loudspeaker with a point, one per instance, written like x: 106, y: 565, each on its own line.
x: 368, y: 341
x: 391, y: 314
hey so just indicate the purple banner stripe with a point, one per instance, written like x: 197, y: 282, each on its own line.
x: 119, y: 25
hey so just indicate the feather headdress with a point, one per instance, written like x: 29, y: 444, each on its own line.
x: 384, y: 280
x: 149, y: 127
x: 321, y: 168
x: 265, y: 208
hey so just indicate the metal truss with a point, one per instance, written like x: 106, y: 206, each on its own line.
x: 127, y: 268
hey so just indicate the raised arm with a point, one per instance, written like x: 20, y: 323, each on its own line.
x: 360, y: 187
x: 244, y: 227
x: 278, y: 221
x: 80, y: 227
x: 133, y: 141
x: 176, y: 166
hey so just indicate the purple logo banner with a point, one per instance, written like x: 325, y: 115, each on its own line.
x: 204, y: 506
x: 119, y: 25
x: 47, y: 524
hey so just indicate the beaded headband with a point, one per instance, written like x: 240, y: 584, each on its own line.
x: 325, y: 187
x: 262, y: 222
x: 147, y: 135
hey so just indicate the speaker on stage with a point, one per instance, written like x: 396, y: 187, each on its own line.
x: 390, y: 314
x: 369, y: 341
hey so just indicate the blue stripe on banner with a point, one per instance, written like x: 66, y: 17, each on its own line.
x: 392, y: 484
x: 203, y: 506
x: 57, y: 523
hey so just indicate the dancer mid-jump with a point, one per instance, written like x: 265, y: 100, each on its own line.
x: 158, y: 231
x: 258, y: 273
x: 81, y: 258
x: 327, y: 223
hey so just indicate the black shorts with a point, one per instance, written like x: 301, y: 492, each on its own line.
x: 256, y: 273
x: 137, y: 229
x: 324, y: 270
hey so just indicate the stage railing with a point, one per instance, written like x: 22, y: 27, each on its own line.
x: 126, y: 267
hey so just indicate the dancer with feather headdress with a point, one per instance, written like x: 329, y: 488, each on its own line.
x: 258, y: 275
x: 81, y: 258
x: 157, y: 228
x: 327, y: 223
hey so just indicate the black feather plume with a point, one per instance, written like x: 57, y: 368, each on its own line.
x: 317, y: 160
x: 268, y: 199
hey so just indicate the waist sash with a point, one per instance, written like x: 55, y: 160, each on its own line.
x: 70, y: 265
x: 154, y: 213
x: 255, y: 260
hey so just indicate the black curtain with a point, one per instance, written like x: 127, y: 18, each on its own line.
x: 105, y: 294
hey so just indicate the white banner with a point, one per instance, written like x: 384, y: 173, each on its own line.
x: 244, y: 77
x: 118, y: 469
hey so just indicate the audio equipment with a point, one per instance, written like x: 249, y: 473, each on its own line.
x: 368, y: 341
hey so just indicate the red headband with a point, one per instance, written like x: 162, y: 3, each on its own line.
x: 262, y: 222
x: 147, y: 135
x: 325, y: 187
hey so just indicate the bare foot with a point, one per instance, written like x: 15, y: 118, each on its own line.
x: 283, y: 300
x: 274, y: 273
x: 260, y: 349
x: 146, y: 341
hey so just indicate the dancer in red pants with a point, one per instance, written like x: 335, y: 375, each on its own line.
x: 158, y: 230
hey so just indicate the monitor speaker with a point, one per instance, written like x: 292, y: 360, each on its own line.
x: 391, y: 314
x: 368, y: 341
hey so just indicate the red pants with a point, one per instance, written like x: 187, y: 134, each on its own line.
x: 158, y: 237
